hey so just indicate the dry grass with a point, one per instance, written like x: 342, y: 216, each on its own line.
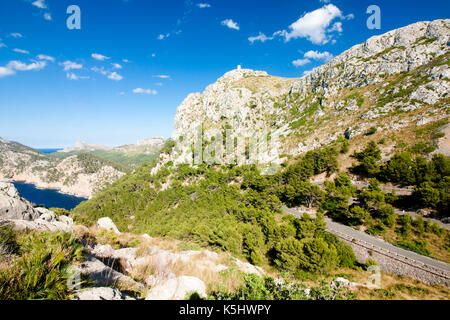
x: 395, y: 287
x: 255, y: 84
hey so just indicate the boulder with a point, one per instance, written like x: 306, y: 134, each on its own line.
x: 248, y: 268
x: 177, y: 289
x: 38, y: 225
x: 104, y: 275
x: 342, y: 283
x: 46, y: 214
x: 65, y: 219
x: 107, y: 224
x: 12, y: 206
x: 101, y: 293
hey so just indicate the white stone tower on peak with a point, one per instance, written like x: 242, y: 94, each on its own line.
x: 239, y: 67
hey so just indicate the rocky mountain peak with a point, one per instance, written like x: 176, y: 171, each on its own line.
x: 239, y: 73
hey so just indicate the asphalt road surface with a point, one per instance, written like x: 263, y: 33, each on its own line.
x: 380, y: 244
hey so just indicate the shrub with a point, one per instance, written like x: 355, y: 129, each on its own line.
x: 41, y: 269
x: 417, y: 246
x: 318, y: 256
x: 257, y: 288
x: 372, y: 131
x: 368, y: 160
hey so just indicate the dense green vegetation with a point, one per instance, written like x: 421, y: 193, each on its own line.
x: 117, y: 158
x: 235, y: 209
x: 35, y: 265
x: 92, y: 164
x: 430, y: 179
x: 229, y: 208
x: 375, y: 209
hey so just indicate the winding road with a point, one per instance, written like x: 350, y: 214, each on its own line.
x: 381, y: 245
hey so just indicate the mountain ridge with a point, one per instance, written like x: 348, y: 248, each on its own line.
x: 395, y: 80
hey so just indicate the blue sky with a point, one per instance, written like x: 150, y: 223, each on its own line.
x: 121, y: 77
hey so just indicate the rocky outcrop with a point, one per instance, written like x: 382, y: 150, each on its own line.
x: 104, y: 275
x: 12, y: 206
x: 167, y: 279
x: 21, y: 215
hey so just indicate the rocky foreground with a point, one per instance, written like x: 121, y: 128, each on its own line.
x: 148, y: 272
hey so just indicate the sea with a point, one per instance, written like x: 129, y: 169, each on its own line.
x: 49, y: 198
x: 50, y: 151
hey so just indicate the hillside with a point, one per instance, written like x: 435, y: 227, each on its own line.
x: 80, y: 174
x: 130, y: 155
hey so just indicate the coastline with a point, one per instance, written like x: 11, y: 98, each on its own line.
x: 44, y: 186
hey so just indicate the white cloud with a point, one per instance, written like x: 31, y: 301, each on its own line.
x: 99, y: 57
x: 72, y: 76
x: 115, y: 76
x: 162, y: 76
x: 313, y: 25
x: 163, y: 36
x: 116, y: 66
x: 99, y: 70
x: 6, y: 72
x: 16, y: 35
x: 316, y: 55
x: 2, y: 45
x: 145, y: 91
x: 20, y: 66
x: 40, y: 4
x: 203, y: 5
x: 300, y: 62
x: 306, y: 72
x: 21, y: 51
x: 313, y: 55
x: 337, y: 26
x: 126, y: 60
x: 68, y: 65
x: 122, y: 93
x: 47, y: 16
x: 350, y: 16
x: 260, y: 37
x: 230, y: 24
x: 45, y: 57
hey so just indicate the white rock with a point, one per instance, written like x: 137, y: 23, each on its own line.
x: 107, y: 224
x: 177, y: 289
x: 46, y: 215
x: 39, y: 225
x: 101, y: 293
x: 248, y: 268
x: 67, y: 220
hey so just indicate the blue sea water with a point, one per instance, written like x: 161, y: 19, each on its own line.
x: 47, y: 197
x: 49, y: 151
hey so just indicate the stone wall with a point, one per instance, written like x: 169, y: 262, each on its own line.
x: 393, y: 263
